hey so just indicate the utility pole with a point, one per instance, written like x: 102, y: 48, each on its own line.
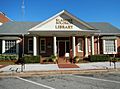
x: 23, y: 9
x: 22, y: 59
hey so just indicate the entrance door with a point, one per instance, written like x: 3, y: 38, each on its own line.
x: 61, y: 49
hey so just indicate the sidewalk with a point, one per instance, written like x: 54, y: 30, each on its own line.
x: 54, y: 67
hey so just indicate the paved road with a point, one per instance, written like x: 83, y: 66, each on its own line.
x: 91, y: 81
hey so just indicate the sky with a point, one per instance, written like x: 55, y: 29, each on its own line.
x: 40, y: 10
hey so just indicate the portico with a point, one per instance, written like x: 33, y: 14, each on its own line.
x: 65, y: 31
x: 62, y: 45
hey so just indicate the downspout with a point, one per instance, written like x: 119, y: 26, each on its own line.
x: 23, y: 46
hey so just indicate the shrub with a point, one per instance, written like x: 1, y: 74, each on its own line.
x: 99, y: 58
x: 50, y: 59
x: 118, y: 59
x: 31, y: 59
x: 8, y: 57
x: 54, y: 58
x: 114, y: 59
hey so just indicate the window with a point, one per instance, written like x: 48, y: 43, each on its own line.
x: 80, y: 45
x: 30, y: 45
x: 10, y: 46
x: 109, y: 46
x: 42, y: 45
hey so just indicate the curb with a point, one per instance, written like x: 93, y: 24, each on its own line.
x: 56, y: 72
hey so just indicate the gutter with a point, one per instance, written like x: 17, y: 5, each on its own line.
x: 107, y: 33
x: 13, y: 33
x: 63, y: 30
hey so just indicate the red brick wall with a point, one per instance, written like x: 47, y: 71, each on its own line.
x: 49, y: 47
x: 95, y: 45
x: 80, y: 54
x: 101, y: 46
x: 71, y: 55
x: 26, y: 44
x: 118, y: 46
x: 49, y: 42
x: 89, y: 50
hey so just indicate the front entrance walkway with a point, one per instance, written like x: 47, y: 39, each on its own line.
x: 62, y: 60
x: 68, y: 66
x: 64, y: 63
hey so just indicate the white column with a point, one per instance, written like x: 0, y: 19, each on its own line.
x: 116, y: 45
x: 35, y: 46
x: 17, y: 46
x: 55, y: 47
x: 98, y: 44
x: 86, y: 47
x: 92, y: 45
x: 103, y: 46
x: 73, y: 46
x: 3, y: 46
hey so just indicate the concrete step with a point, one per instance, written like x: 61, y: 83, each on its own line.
x: 63, y: 60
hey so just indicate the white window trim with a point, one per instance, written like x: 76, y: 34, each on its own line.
x: 3, y: 46
x: 44, y: 44
x: 116, y: 45
x: 104, y: 51
x: 78, y: 44
x: 29, y: 51
x: 17, y: 46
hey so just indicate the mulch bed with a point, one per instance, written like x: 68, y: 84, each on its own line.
x: 68, y: 66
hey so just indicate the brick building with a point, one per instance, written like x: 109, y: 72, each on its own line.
x: 59, y: 35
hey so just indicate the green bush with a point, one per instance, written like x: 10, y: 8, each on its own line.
x: 118, y: 59
x: 99, y: 58
x: 114, y: 59
x: 8, y: 57
x: 31, y: 59
x: 54, y: 58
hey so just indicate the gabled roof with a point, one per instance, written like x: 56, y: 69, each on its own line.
x: 4, y: 18
x: 60, y: 13
x: 17, y: 27
x: 105, y: 28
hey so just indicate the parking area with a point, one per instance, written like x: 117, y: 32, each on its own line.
x: 69, y: 81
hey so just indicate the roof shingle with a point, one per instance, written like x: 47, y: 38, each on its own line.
x: 104, y: 27
x: 23, y: 27
x: 17, y: 27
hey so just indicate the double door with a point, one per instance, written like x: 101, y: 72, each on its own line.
x: 63, y: 47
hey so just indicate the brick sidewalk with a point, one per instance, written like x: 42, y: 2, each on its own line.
x: 1, y: 66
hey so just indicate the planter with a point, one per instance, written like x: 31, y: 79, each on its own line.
x: 55, y: 59
x: 76, y: 59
